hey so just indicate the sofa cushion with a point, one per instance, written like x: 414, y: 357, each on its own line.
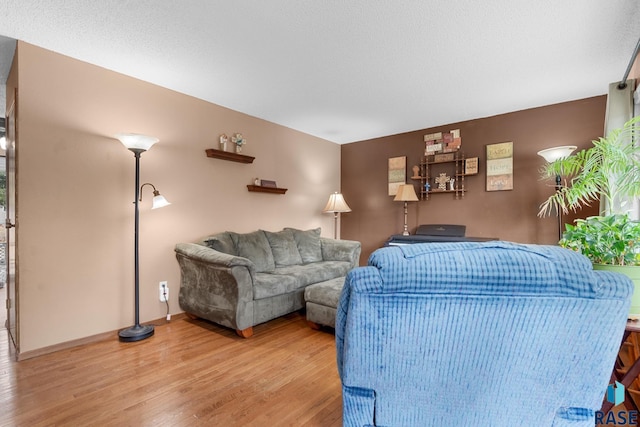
x: 309, y: 274
x: 325, y: 293
x: 255, y: 247
x: 221, y: 242
x: 268, y: 285
x: 284, y: 248
x: 308, y: 242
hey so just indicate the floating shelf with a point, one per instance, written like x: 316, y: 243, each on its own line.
x: 261, y: 189
x: 228, y: 155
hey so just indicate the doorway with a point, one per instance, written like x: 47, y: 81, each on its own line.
x: 3, y: 240
x: 8, y: 290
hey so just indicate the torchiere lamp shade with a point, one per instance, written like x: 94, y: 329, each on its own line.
x: 555, y: 153
x: 136, y: 141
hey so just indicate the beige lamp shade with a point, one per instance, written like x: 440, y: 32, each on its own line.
x: 406, y: 193
x: 336, y: 203
x: 555, y: 153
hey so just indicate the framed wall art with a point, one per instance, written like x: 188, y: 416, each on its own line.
x: 500, y: 166
x: 471, y: 166
x: 397, y: 173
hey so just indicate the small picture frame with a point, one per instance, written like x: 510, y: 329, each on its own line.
x: 471, y: 166
x: 267, y: 183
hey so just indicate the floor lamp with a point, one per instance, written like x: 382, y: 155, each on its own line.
x: 336, y: 205
x: 406, y: 193
x: 551, y: 155
x: 139, y: 144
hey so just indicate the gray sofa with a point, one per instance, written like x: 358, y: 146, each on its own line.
x: 241, y: 280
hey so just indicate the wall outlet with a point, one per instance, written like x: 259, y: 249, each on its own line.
x: 163, y: 288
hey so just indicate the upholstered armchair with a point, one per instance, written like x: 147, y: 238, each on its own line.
x: 478, y: 334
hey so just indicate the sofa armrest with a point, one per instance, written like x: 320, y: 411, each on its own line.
x: 211, y: 256
x: 216, y: 286
x: 341, y: 250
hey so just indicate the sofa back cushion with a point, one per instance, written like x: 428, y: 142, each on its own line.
x: 284, y: 248
x: 255, y: 247
x: 221, y: 242
x: 308, y: 242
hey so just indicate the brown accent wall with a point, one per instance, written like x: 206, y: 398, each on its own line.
x: 507, y: 215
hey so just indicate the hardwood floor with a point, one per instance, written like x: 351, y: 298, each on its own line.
x: 190, y: 373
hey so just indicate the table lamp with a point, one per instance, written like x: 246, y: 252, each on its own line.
x: 406, y: 193
x: 336, y: 205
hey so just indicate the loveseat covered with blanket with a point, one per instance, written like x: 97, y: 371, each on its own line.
x: 239, y: 280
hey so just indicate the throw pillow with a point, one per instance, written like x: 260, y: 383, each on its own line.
x: 221, y: 242
x: 284, y: 248
x: 255, y: 247
x: 308, y: 242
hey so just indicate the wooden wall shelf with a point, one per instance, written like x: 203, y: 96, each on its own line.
x: 261, y: 189
x: 454, y: 164
x: 228, y: 155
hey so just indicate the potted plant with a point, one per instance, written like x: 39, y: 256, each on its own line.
x: 605, y: 240
x: 608, y: 172
x: 612, y: 243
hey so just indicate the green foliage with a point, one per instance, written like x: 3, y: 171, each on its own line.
x: 608, y: 170
x: 611, y: 239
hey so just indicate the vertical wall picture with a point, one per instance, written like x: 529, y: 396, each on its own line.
x: 500, y: 166
x: 471, y: 166
x: 397, y: 173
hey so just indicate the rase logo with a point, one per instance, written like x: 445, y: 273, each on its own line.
x: 615, y: 395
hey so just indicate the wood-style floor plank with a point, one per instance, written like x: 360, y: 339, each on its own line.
x: 189, y: 373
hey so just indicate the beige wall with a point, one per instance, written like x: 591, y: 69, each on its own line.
x: 76, y: 188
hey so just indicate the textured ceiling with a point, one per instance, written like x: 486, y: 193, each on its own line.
x: 347, y: 70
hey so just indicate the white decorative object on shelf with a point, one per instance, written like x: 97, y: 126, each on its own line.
x: 223, y: 142
x: 239, y: 141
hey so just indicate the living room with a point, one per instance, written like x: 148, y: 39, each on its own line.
x: 75, y: 266
x: 310, y: 168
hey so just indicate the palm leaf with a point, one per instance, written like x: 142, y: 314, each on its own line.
x: 608, y: 170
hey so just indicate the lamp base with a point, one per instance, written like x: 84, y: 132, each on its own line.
x: 136, y: 333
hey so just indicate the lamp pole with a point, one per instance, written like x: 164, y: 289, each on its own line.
x: 136, y: 332
x: 551, y: 155
x: 558, y: 188
x: 406, y: 228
